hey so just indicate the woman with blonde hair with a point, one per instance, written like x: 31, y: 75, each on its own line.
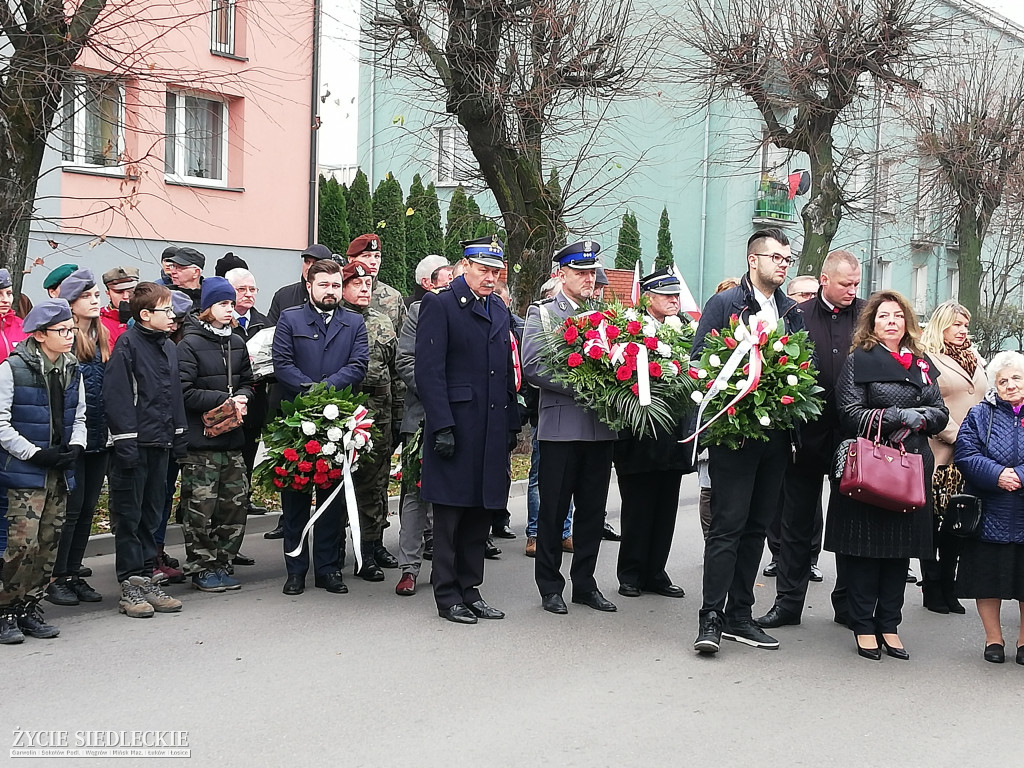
x: 886, y: 375
x: 963, y: 384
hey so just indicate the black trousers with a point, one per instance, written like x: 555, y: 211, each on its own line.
x: 745, y: 488
x: 458, y: 566
x: 875, y: 589
x: 90, y: 473
x: 801, y: 520
x: 648, y: 519
x: 578, y: 471
x: 327, y: 532
x: 136, y: 505
x: 774, y: 537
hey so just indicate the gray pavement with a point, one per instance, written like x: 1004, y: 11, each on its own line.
x: 372, y: 679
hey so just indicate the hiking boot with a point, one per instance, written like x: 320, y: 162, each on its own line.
x: 85, y: 593
x: 207, y: 581
x: 10, y: 634
x: 30, y: 621
x: 370, y: 570
x: 167, y: 570
x: 160, y: 600
x: 132, y: 603
x: 61, y: 593
x: 227, y: 580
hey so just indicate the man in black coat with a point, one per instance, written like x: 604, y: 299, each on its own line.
x: 745, y: 483
x: 296, y: 294
x: 466, y: 383
x: 830, y: 318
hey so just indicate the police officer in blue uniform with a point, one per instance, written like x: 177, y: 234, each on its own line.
x: 466, y: 382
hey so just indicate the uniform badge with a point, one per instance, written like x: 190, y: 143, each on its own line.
x: 374, y: 245
x: 563, y: 306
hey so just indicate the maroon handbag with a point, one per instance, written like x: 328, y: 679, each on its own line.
x: 882, y: 475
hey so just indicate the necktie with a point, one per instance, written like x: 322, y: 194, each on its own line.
x: 327, y: 318
x: 242, y: 321
x: 487, y: 309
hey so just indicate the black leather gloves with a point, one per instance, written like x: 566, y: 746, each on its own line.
x: 444, y: 443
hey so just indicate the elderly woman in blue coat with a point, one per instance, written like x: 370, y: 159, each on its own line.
x: 990, y: 454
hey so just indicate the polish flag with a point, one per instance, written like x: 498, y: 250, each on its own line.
x: 686, y: 302
x: 634, y: 293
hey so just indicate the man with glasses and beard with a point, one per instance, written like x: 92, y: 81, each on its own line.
x: 319, y: 341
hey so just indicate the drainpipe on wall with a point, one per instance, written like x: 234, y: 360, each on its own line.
x: 872, y: 272
x: 314, y: 125
x: 704, y: 206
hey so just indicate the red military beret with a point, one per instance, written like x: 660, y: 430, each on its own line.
x: 351, y: 270
x: 364, y: 243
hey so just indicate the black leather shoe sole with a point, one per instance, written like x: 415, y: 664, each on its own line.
x: 554, y: 604
x: 707, y: 645
x: 629, y: 590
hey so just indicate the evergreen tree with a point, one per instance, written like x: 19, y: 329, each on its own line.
x: 627, y: 252
x: 360, y: 207
x: 432, y: 221
x: 415, y: 230
x: 389, y: 212
x: 333, y: 222
x: 458, y: 219
x: 554, y: 187
x: 665, y: 258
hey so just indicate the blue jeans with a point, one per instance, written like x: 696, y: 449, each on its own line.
x: 533, y: 494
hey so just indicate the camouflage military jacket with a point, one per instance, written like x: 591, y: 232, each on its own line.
x: 381, y: 382
x: 388, y: 301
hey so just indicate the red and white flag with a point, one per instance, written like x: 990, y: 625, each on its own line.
x: 634, y: 293
x: 686, y: 301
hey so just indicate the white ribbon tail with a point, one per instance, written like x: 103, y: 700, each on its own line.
x: 720, y: 383
x: 350, y: 501
x: 643, y: 376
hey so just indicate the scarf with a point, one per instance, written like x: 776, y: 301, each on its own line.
x: 963, y: 355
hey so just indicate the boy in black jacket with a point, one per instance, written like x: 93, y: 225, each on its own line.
x: 146, y: 417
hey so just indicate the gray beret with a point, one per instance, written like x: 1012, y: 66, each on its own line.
x: 46, y: 313
x: 72, y: 286
x: 181, y: 303
x: 5, y: 279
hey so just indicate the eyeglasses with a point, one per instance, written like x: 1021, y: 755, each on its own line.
x: 169, y: 311
x: 804, y: 294
x: 779, y: 258
x: 247, y: 289
x: 64, y: 333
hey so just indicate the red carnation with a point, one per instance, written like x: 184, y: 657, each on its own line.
x: 635, y: 389
x: 650, y: 342
x: 418, y: 483
x: 783, y: 360
x: 633, y: 327
x: 322, y: 466
x: 654, y: 369
x: 305, y: 466
x: 784, y: 340
x: 334, y: 474
x: 595, y: 352
x: 714, y: 332
x: 297, y: 479
x: 632, y: 349
x: 805, y: 365
x: 730, y: 342
x: 320, y: 478
x: 592, y: 334
x: 296, y: 487
x: 571, y: 334
x: 787, y: 400
x: 290, y: 454
x: 279, y: 483
x: 693, y: 374
x: 313, y: 447
x: 731, y: 410
x: 596, y: 318
x: 613, y: 332
x: 623, y: 372
x: 708, y: 385
x: 575, y: 359
x: 280, y: 471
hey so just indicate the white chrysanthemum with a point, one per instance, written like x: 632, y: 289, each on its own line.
x: 674, y: 323
x: 308, y: 428
x: 715, y: 361
x: 350, y: 425
x: 694, y: 325
x: 778, y: 346
x: 631, y: 314
x: 331, y: 411
x: 329, y: 449
x: 651, y: 329
x: 765, y: 421
x: 696, y: 396
x: 664, y: 350
x: 335, y: 435
x: 359, y: 438
x: 792, y: 380
x: 702, y: 373
x: 669, y: 369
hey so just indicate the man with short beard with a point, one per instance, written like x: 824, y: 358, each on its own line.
x: 319, y: 341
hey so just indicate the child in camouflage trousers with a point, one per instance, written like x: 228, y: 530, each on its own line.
x: 42, y: 434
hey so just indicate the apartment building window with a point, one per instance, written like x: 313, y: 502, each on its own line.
x: 92, y: 121
x: 919, y: 288
x: 196, y: 145
x: 883, y: 275
x: 886, y: 168
x: 222, y: 26
x: 453, y: 158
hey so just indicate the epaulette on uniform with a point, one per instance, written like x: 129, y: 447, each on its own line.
x: 442, y: 289
x: 542, y: 302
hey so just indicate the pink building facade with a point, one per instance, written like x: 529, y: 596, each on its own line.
x: 199, y: 135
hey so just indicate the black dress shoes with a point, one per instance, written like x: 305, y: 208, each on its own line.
x: 294, y: 585
x: 897, y: 652
x: 252, y: 509
x: 672, y: 590
x: 776, y: 617
x: 370, y: 570
x: 609, y: 534
x: 595, y: 600
x: 332, y: 582
x: 482, y: 610
x: 241, y: 559
x: 875, y: 654
x: 553, y: 603
x: 629, y: 590
x: 277, y: 533
x: 458, y: 613
x: 995, y: 654
x: 1020, y: 655
x: 491, y: 552
x: 502, y: 532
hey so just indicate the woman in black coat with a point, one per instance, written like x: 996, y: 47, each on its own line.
x: 215, y: 370
x: 887, y: 372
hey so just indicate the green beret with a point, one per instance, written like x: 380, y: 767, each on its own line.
x: 57, y: 276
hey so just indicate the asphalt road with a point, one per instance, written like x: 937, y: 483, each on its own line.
x: 256, y: 678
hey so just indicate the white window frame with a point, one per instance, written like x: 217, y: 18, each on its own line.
x: 226, y: 9
x: 883, y: 184
x: 178, y: 172
x: 883, y: 275
x: 74, y: 109
x: 450, y: 149
x: 919, y: 288
x: 953, y: 283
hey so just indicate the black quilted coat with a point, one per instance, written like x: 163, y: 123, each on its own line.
x: 873, y: 379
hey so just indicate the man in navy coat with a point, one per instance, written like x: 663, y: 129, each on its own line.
x: 319, y: 341
x: 466, y: 383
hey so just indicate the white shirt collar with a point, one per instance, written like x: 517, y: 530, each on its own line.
x: 767, y: 303
x: 829, y: 304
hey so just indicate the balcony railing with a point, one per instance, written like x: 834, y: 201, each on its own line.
x: 773, y: 204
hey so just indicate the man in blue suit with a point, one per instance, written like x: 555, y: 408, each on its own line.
x: 317, y: 342
x: 466, y: 382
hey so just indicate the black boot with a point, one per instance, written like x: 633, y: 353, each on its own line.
x: 10, y: 633
x: 933, y: 598
x: 60, y: 593
x: 382, y: 557
x: 30, y: 620
x: 370, y: 570
x: 949, y: 558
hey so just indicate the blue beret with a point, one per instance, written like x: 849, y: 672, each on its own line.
x: 57, y: 276
x: 5, y: 279
x: 72, y: 286
x: 581, y: 255
x: 180, y: 303
x: 664, y: 281
x: 489, y: 251
x: 215, y: 289
x: 46, y: 313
